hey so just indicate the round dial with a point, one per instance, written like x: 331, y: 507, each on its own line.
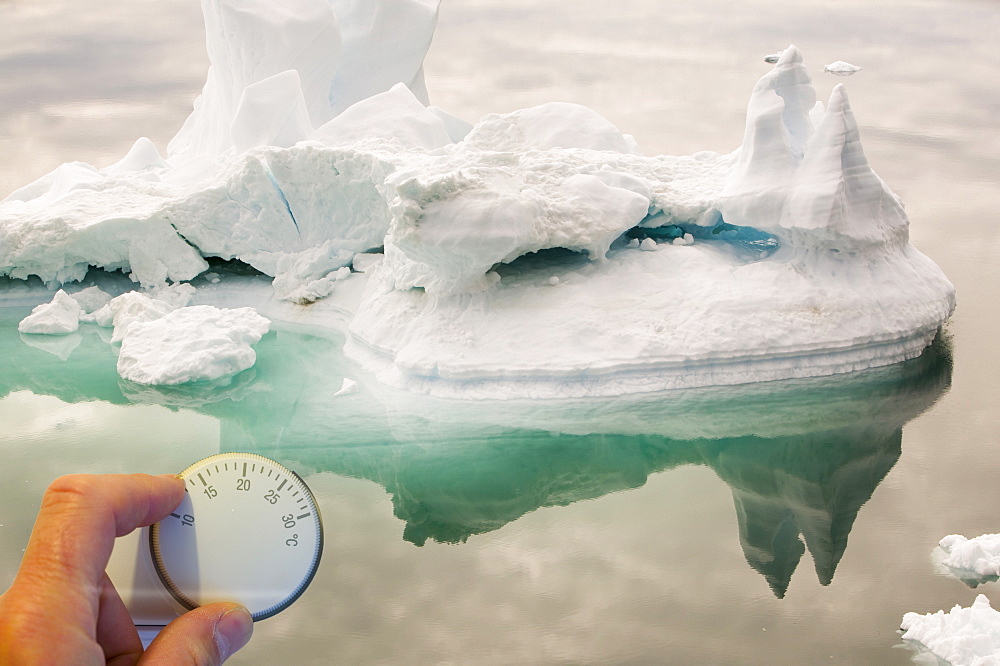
x: 248, y: 530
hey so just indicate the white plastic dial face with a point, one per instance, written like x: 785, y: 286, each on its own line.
x: 248, y: 530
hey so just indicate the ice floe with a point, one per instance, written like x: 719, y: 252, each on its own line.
x: 312, y: 150
x: 59, y: 317
x: 963, y: 636
x: 973, y: 561
x: 196, y: 343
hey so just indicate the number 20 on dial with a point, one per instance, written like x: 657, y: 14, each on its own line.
x: 248, y: 530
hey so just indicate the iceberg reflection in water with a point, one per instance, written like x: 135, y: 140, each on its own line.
x: 801, y: 457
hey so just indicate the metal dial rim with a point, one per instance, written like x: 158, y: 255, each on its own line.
x: 187, y: 602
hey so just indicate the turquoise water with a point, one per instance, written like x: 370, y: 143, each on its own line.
x: 781, y: 523
x: 589, y: 530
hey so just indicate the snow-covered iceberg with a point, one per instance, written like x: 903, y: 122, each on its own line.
x: 536, y: 253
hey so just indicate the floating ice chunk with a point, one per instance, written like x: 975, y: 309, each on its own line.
x: 962, y: 636
x: 551, y: 125
x: 394, y: 114
x: 841, y: 68
x: 197, y: 343
x: 61, y: 316
x: 980, y: 555
x: 271, y: 112
x: 648, y: 245
x: 554, y: 280
x: 348, y: 387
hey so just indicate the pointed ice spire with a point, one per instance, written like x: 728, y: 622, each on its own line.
x: 835, y: 188
x: 777, y: 130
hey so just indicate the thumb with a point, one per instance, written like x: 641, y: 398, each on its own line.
x: 206, y: 636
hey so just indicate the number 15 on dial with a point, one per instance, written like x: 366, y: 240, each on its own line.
x: 248, y: 530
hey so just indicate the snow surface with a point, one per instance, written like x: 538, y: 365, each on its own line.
x: 535, y: 253
x: 965, y: 636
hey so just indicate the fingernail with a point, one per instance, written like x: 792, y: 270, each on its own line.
x: 233, y: 631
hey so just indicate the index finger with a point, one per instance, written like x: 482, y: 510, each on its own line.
x: 75, y: 532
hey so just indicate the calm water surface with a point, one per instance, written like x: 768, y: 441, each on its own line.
x: 780, y: 523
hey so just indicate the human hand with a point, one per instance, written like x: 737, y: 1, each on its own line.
x: 62, y: 607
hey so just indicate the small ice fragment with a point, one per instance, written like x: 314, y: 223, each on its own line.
x: 981, y: 554
x: 841, y: 68
x: 688, y: 239
x: 647, y: 244
x: 177, y: 295
x: 61, y: 316
x: 962, y: 636
x: 773, y: 58
x: 213, y: 278
x: 197, y: 343
x: 554, y: 280
x: 634, y: 243
x: 103, y: 317
x: 348, y: 387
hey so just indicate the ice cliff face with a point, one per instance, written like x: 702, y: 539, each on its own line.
x: 535, y: 251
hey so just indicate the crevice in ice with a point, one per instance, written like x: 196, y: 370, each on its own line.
x: 549, y: 259
x: 281, y: 195
x: 232, y: 266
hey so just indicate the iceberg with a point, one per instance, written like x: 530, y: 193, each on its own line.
x: 533, y: 254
